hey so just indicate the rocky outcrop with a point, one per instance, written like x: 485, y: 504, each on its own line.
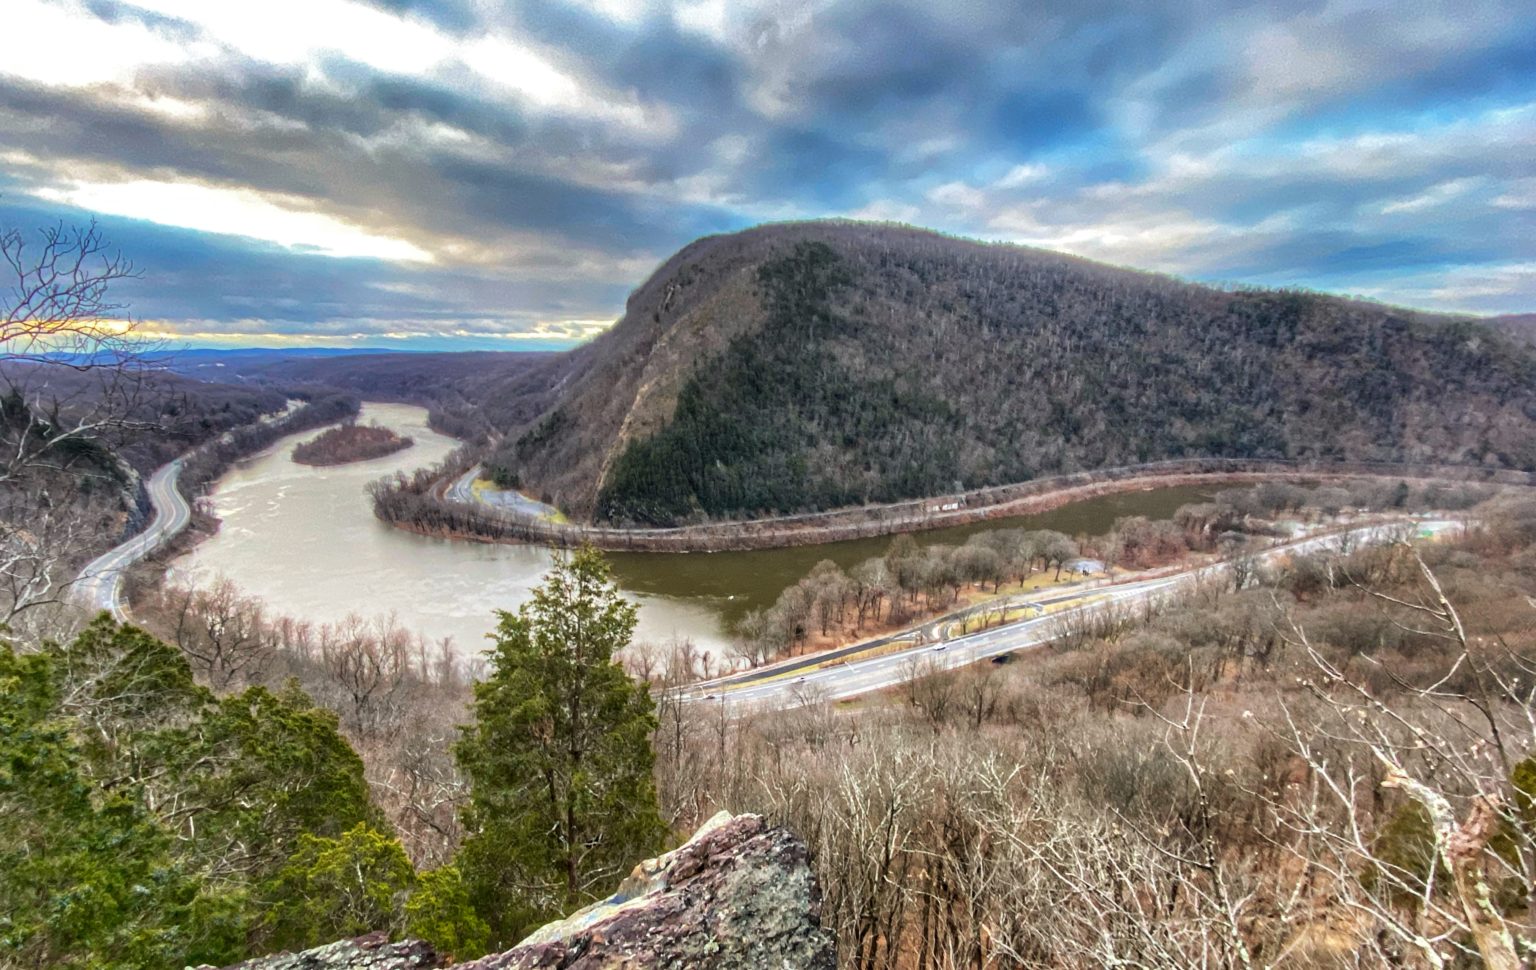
x: 739, y: 895
x: 371, y: 952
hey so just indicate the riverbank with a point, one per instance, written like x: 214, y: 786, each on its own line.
x: 304, y: 541
x: 420, y: 505
x: 175, y: 486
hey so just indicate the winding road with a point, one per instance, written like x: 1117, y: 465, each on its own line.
x: 843, y: 674
x: 462, y: 489
x: 100, y: 585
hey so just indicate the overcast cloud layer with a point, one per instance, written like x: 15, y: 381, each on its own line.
x: 465, y: 173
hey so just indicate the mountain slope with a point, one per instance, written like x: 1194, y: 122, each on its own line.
x: 809, y: 366
x: 1521, y: 326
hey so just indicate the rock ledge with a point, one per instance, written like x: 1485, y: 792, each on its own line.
x: 739, y: 895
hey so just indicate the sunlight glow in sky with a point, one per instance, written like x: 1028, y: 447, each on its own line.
x: 234, y: 212
x: 451, y: 173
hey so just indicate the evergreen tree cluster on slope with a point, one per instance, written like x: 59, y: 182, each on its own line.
x: 145, y: 821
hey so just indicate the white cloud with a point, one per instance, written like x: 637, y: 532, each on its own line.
x: 298, y: 32
x: 1022, y: 175
x: 303, y: 34
x: 1164, y: 239
x: 61, y: 43
x: 235, y: 212
x: 518, y: 68
x: 1433, y: 197
x: 627, y: 12
x: 1496, y: 288
x: 885, y: 210
x: 958, y: 195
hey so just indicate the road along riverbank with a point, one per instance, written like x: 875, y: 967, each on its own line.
x: 100, y: 584
x: 440, y: 505
x: 811, y: 680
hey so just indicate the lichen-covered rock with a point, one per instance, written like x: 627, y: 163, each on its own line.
x: 739, y: 895
x: 371, y: 952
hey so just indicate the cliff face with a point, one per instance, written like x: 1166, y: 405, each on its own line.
x: 739, y: 895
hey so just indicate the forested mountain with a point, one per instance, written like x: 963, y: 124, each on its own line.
x: 814, y: 365
x: 1521, y: 326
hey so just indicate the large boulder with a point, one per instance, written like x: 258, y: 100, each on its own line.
x: 739, y: 895
x: 371, y: 952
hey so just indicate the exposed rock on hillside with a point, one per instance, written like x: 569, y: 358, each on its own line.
x: 739, y: 895
x: 371, y: 952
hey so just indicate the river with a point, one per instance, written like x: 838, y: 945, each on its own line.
x: 304, y: 539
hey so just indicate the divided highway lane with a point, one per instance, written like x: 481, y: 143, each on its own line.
x: 856, y: 677
x: 100, y: 584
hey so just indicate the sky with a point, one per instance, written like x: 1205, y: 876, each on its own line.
x: 472, y: 174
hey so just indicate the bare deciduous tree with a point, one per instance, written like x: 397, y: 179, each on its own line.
x: 70, y: 389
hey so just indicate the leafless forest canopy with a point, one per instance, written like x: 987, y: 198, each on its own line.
x: 806, y: 366
x: 1300, y: 765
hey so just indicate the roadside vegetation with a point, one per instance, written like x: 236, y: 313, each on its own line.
x: 915, y: 582
x: 350, y: 442
x: 1329, y: 767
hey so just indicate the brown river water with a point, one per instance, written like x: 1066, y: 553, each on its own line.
x: 304, y: 539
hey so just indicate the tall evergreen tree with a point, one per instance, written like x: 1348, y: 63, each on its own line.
x: 562, y: 799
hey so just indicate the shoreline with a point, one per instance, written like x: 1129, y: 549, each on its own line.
x: 476, y: 523
x: 148, y: 574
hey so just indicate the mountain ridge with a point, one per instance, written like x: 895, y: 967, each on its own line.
x: 803, y: 366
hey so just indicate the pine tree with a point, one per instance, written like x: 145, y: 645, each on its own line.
x: 86, y: 876
x: 562, y: 799
x: 145, y: 822
x: 335, y: 888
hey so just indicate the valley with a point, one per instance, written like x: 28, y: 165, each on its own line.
x: 775, y: 485
x: 306, y: 543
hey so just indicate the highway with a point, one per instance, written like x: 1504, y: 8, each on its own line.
x: 100, y: 584
x: 803, y: 681
x: 462, y: 489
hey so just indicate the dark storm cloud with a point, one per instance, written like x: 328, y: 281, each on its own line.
x: 1316, y: 143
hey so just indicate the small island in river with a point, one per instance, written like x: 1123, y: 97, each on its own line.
x: 349, y: 443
